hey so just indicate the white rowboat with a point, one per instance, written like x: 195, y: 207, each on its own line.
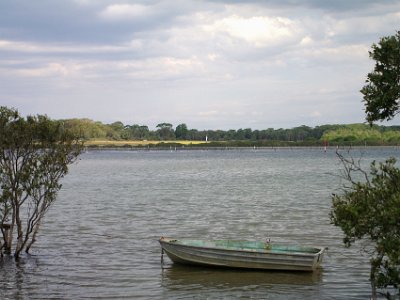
x: 242, y: 254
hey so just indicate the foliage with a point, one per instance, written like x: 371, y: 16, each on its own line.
x: 359, y: 133
x: 382, y: 91
x: 136, y: 132
x: 34, y: 155
x: 181, y: 132
x: 86, y: 128
x: 371, y: 209
x: 165, y: 131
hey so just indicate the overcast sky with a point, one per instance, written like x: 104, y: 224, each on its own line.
x: 210, y: 64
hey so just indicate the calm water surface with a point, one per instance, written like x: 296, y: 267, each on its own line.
x: 99, y: 240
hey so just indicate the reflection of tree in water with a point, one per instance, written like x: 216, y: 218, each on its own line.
x: 15, y: 276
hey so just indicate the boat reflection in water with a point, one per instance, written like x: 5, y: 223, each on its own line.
x: 179, y: 276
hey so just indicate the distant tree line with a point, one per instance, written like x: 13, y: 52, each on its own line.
x: 89, y: 130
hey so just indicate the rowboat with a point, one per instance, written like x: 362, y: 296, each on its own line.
x: 242, y: 254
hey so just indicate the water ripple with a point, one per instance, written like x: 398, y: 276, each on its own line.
x: 99, y: 240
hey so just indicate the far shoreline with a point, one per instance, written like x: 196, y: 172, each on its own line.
x: 176, y: 145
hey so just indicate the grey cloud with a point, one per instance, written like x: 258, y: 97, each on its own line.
x: 68, y: 22
x: 325, y: 5
x: 199, y: 62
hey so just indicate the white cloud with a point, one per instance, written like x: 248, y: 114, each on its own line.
x: 8, y: 45
x: 125, y: 11
x: 315, y: 114
x: 306, y: 41
x: 41, y: 48
x: 210, y: 113
x: 163, y: 68
x: 366, y: 24
x: 48, y: 70
x: 260, y: 31
x: 333, y: 54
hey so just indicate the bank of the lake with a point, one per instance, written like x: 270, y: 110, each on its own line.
x: 182, y: 144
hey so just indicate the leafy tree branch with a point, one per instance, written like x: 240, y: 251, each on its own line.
x: 34, y: 155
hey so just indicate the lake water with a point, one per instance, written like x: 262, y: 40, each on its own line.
x: 100, y: 239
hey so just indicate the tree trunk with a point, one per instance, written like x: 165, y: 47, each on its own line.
x: 35, y: 231
x: 373, y: 292
x: 3, y: 232
x: 8, y: 236
x: 20, y: 238
x: 5, y: 229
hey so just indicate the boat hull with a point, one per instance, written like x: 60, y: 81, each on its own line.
x: 264, y: 258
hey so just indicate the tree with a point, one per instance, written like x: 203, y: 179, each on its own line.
x: 165, y: 131
x: 143, y: 131
x: 181, y: 132
x: 382, y: 91
x: 34, y: 155
x: 85, y: 128
x: 371, y: 210
x: 116, y: 130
